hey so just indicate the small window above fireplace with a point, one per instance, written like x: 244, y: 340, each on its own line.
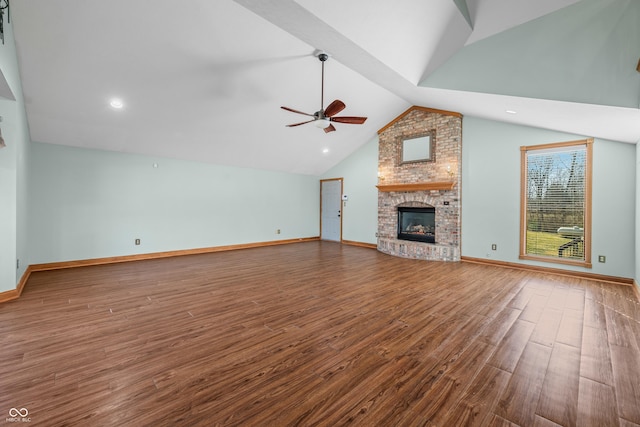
x: 417, y: 224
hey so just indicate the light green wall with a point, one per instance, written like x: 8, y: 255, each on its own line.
x: 581, y: 47
x: 614, y: 210
x: 637, y: 233
x: 360, y: 212
x: 491, y: 195
x: 14, y: 159
x: 89, y: 204
x: 8, y: 209
x: 92, y: 204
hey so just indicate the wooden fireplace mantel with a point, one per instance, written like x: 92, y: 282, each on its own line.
x: 418, y: 186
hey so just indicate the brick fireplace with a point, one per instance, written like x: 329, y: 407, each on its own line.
x: 430, y: 182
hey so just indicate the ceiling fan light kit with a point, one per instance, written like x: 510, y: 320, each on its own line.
x: 324, y: 117
x: 323, y: 123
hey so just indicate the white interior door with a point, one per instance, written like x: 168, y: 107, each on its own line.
x: 331, y: 209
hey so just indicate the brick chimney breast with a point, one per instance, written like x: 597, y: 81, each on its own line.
x: 434, y: 181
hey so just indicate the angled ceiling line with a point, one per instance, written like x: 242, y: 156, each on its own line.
x: 464, y: 10
x: 308, y: 28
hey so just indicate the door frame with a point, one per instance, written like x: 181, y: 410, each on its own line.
x: 341, y: 204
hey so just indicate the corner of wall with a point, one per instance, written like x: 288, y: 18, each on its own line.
x: 637, y: 222
x: 14, y: 161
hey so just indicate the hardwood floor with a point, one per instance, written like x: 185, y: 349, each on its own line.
x: 319, y: 334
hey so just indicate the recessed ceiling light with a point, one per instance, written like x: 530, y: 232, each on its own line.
x: 511, y: 112
x: 116, y: 103
x: 325, y: 150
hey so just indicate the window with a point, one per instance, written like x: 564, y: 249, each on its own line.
x: 555, y: 202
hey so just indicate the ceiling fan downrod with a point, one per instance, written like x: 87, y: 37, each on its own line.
x: 322, y: 57
x: 323, y: 117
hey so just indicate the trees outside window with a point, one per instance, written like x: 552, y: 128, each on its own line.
x: 555, y: 211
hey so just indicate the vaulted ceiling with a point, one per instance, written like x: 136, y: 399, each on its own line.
x: 204, y: 80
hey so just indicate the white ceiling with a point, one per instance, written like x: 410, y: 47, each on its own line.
x: 203, y: 80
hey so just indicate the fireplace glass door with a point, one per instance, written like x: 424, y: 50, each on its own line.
x: 417, y: 224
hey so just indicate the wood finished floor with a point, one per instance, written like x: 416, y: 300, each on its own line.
x: 319, y: 334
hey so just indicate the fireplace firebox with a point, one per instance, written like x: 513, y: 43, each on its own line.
x: 417, y: 224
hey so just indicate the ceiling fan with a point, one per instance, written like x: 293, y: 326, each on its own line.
x: 324, y: 117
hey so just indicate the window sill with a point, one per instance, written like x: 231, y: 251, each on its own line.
x: 577, y: 263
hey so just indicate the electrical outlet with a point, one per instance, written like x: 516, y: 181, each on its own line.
x: 137, y: 241
x: 602, y: 258
x: 278, y: 231
x: 494, y: 247
x: 17, y: 264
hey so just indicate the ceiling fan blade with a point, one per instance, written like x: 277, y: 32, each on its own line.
x: 334, y: 108
x: 296, y: 111
x: 349, y: 119
x: 325, y: 115
x: 301, y: 123
x: 329, y: 128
